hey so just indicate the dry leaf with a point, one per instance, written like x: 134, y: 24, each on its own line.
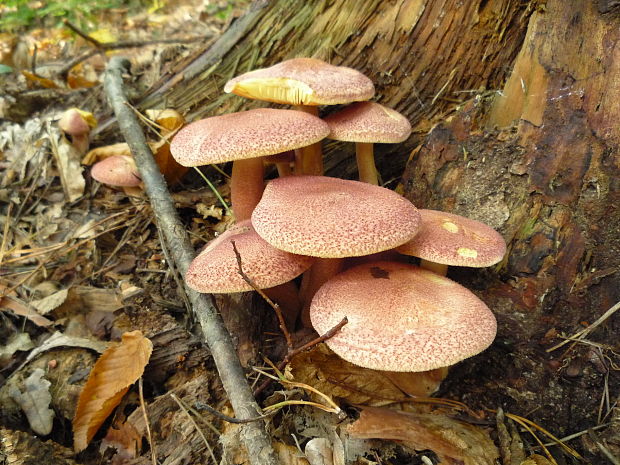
x: 35, y: 401
x: 453, y: 441
x: 101, y: 153
x: 69, y: 168
x: 289, y: 455
x: 60, y: 340
x: 49, y: 303
x: 40, y: 80
x: 325, y: 371
x: 17, y: 341
x: 23, y: 309
x: 85, y: 299
x: 116, y: 370
x: 319, y: 452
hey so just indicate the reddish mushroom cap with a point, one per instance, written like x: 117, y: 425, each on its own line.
x: 401, y: 318
x: 118, y: 170
x: 73, y: 123
x: 247, y: 134
x: 303, y: 81
x: 455, y: 240
x: 333, y: 218
x: 215, y: 269
x: 368, y: 122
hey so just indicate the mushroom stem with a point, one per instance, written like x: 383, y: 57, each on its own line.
x: 309, y: 159
x: 246, y: 186
x: 80, y: 142
x: 364, y: 154
x: 287, y: 297
x: 437, y: 268
x: 322, y: 270
x: 284, y: 169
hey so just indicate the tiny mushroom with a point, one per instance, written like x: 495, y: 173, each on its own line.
x: 401, y: 318
x: 244, y: 138
x: 117, y: 170
x: 305, y: 83
x: 367, y: 123
x: 77, y: 124
x: 447, y: 239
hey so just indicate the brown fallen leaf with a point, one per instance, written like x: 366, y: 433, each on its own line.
x: 116, y: 370
x: 454, y: 442
x: 325, y: 371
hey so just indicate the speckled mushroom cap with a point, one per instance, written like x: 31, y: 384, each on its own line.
x: 215, y: 269
x: 368, y: 122
x: 401, y: 318
x: 246, y: 134
x: 303, y: 81
x: 333, y: 218
x: 117, y: 170
x: 455, y: 240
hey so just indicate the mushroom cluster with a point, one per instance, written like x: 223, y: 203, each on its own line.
x: 401, y: 317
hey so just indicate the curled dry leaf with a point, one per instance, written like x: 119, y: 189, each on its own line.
x: 327, y: 372
x: 68, y: 164
x: 49, y: 303
x: 35, y: 402
x: 454, y: 442
x: 116, y: 370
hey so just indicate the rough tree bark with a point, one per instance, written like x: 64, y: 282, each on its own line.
x: 515, y: 109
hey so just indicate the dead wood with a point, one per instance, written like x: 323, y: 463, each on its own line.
x: 254, y: 437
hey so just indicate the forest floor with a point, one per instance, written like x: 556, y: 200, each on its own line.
x: 82, y: 263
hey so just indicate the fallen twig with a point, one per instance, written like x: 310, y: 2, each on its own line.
x: 254, y: 434
x: 575, y: 338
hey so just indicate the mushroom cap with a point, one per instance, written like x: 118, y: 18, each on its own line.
x: 333, y: 218
x: 303, y: 81
x: 74, y: 123
x: 246, y: 134
x: 117, y: 170
x: 368, y: 122
x: 401, y: 318
x: 455, y: 240
x: 215, y: 269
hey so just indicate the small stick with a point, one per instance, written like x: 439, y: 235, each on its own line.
x: 292, y: 353
x: 275, y: 306
x: 146, y: 422
x: 253, y: 435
